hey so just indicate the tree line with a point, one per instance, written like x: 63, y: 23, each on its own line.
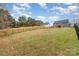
x: 7, y: 21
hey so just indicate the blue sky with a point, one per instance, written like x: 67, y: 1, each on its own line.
x: 47, y: 12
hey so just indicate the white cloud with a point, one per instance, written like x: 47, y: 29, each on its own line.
x: 30, y: 13
x: 18, y: 14
x: 54, y: 18
x: 60, y: 9
x: 67, y: 10
x: 50, y: 19
x: 64, y: 10
x: 16, y: 8
x: 42, y: 18
x: 19, y: 11
x: 73, y: 8
x: 27, y: 5
x: 68, y: 3
x: 77, y: 14
x: 43, y: 5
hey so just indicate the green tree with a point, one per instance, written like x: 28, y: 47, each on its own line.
x: 6, y: 20
x: 30, y: 22
x: 13, y: 23
x: 22, y: 21
x: 38, y: 23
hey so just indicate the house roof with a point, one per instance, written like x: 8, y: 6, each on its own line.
x: 61, y: 21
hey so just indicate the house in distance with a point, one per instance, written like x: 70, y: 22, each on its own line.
x: 61, y: 23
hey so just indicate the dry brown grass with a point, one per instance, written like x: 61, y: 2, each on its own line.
x: 6, y: 32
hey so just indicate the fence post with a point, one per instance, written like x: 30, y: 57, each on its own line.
x: 77, y: 30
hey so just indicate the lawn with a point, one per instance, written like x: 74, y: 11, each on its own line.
x: 41, y: 42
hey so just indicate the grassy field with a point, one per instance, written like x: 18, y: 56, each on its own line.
x: 54, y: 41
